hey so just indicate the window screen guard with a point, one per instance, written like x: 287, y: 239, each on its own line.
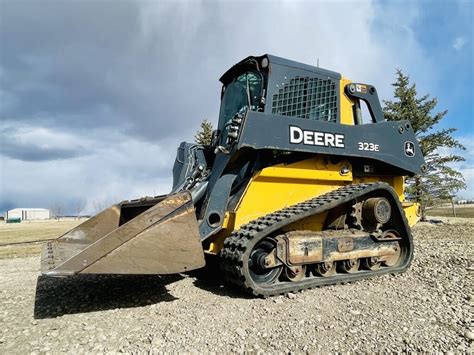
x: 305, y: 97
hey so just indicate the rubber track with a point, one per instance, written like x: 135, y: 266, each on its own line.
x: 233, y: 257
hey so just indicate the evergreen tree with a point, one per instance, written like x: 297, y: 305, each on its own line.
x: 204, y: 134
x: 440, y: 181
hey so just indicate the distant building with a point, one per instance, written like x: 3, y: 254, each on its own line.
x: 27, y: 214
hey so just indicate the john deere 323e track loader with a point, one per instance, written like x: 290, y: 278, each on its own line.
x: 294, y: 191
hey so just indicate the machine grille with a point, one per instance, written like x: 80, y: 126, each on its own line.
x: 305, y: 97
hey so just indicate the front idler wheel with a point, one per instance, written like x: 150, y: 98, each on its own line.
x: 259, y: 273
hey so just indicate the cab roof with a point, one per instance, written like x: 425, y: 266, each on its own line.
x: 274, y: 60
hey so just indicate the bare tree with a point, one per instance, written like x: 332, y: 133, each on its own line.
x: 79, y: 206
x: 57, y: 210
x: 99, y: 206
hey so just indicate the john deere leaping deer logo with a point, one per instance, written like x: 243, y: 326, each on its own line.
x: 409, y: 149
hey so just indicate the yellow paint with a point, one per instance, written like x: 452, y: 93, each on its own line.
x: 307, y: 170
x: 217, y: 242
x: 347, y: 113
x: 314, y: 223
x: 412, y: 212
x: 397, y: 182
x: 280, y: 186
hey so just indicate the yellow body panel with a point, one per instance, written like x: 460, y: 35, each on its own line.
x: 347, y: 115
x: 314, y: 223
x: 412, y: 212
x: 395, y: 181
x: 283, y: 185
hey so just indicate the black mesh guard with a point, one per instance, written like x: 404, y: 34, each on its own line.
x: 305, y: 97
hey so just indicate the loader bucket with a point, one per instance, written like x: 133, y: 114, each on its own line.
x: 149, y: 236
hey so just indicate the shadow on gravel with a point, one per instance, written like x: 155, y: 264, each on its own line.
x: 220, y: 288
x: 89, y: 293
x: 210, y: 279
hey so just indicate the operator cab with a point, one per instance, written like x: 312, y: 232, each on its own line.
x: 243, y: 89
x: 279, y: 87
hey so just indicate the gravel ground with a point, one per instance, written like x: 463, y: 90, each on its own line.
x: 429, y: 308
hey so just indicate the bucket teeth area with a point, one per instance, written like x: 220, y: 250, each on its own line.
x: 56, y: 253
x: 47, y: 258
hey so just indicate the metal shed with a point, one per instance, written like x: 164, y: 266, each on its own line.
x: 27, y: 214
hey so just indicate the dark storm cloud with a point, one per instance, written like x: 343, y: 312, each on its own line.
x: 37, y: 145
x: 87, y: 64
x: 60, y: 59
x: 28, y: 153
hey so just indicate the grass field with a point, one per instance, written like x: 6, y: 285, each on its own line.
x: 30, y: 231
x: 42, y: 230
x: 464, y: 211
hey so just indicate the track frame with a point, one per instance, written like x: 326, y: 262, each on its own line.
x: 234, y: 256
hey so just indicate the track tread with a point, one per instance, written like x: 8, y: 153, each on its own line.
x: 235, y: 247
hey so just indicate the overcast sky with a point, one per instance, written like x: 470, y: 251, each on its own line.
x: 95, y: 96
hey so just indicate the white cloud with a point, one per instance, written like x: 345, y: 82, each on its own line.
x: 468, y: 173
x: 362, y: 40
x: 459, y: 43
x: 467, y: 167
x: 40, y: 137
x: 117, y: 167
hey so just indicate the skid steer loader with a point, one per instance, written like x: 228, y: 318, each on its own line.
x: 295, y: 191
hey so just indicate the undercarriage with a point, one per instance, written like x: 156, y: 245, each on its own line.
x: 366, y: 235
